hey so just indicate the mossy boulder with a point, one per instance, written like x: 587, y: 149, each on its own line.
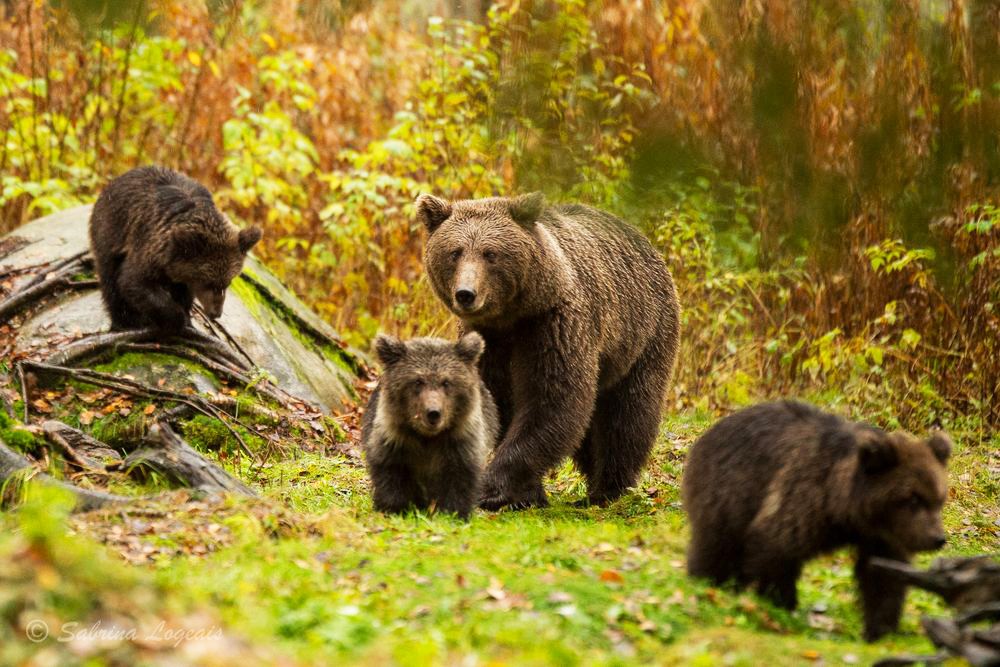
x: 279, y: 333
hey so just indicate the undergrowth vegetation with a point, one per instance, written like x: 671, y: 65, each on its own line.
x: 823, y: 179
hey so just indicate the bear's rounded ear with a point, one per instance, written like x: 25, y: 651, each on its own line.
x: 526, y: 208
x: 940, y: 444
x: 248, y: 238
x: 432, y: 211
x: 470, y: 347
x: 389, y: 349
x: 876, y: 452
x: 186, y: 241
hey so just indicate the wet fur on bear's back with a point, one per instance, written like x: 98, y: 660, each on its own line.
x: 772, y: 486
x: 581, y: 322
x: 158, y: 242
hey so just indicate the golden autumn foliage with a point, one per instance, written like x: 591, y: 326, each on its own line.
x: 823, y: 177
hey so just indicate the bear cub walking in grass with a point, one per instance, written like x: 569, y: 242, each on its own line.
x: 429, y: 425
x: 159, y: 243
x: 772, y: 486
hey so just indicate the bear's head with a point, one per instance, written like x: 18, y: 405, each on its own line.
x: 482, y: 255
x: 205, y: 250
x: 428, y: 385
x: 900, y: 487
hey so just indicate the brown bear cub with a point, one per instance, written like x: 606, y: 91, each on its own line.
x: 581, y: 323
x: 771, y: 486
x: 159, y: 243
x: 429, y: 425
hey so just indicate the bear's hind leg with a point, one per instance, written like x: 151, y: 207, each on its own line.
x: 120, y: 312
x: 152, y: 302
x: 712, y: 559
x: 624, y: 426
x: 775, y: 575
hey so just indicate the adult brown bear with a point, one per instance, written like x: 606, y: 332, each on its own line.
x: 580, y: 318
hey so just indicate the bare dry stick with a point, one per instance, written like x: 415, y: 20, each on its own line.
x: 24, y: 391
x: 215, y: 326
x: 227, y: 403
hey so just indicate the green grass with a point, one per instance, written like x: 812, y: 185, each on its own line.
x: 313, y: 574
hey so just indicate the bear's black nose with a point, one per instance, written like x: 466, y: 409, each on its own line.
x: 433, y: 416
x: 940, y: 542
x: 465, y: 297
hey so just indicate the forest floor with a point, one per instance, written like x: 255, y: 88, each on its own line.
x: 311, y: 574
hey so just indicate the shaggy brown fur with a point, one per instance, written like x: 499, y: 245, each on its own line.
x: 159, y: 243
x: 580, y: 318
x: 772, y: 486
x: 429, y: 425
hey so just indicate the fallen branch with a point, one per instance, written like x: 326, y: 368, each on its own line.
x: 15, y: 468
x: 109, y: 342
x: 213, y: 325
x: 87, y: 452
x: 135, y: 388
x: 98, y: 343
x: 80, y: 257
x: 166, y: 453
x: 9, y: 246
x: 41, y: 286
x: 210, y: 346
x: 964, y: 583
x: 227, y: 403
x: 988, y: 612
x: 261, y: 387
x: 971, y: 585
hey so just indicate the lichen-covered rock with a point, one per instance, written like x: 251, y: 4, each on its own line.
x: 277, y: 331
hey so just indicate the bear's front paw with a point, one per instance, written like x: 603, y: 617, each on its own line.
x: 496, y: 495
x: 172, y: 319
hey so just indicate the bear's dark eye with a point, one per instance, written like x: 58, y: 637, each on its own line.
x: 489, y: 256
x: 418, y: 383
x: 445, y: 384
x: 455, y: 254
x: 914, y: 502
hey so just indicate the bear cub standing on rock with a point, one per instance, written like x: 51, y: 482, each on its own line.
x: 429, y: 425
x: 159, y: 243
x: 772, y: 486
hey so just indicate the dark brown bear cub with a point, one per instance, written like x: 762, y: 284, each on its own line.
x: 429, y: 425
x: 772, y: 486
x: 159, y: 243
x: 581, y: 323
